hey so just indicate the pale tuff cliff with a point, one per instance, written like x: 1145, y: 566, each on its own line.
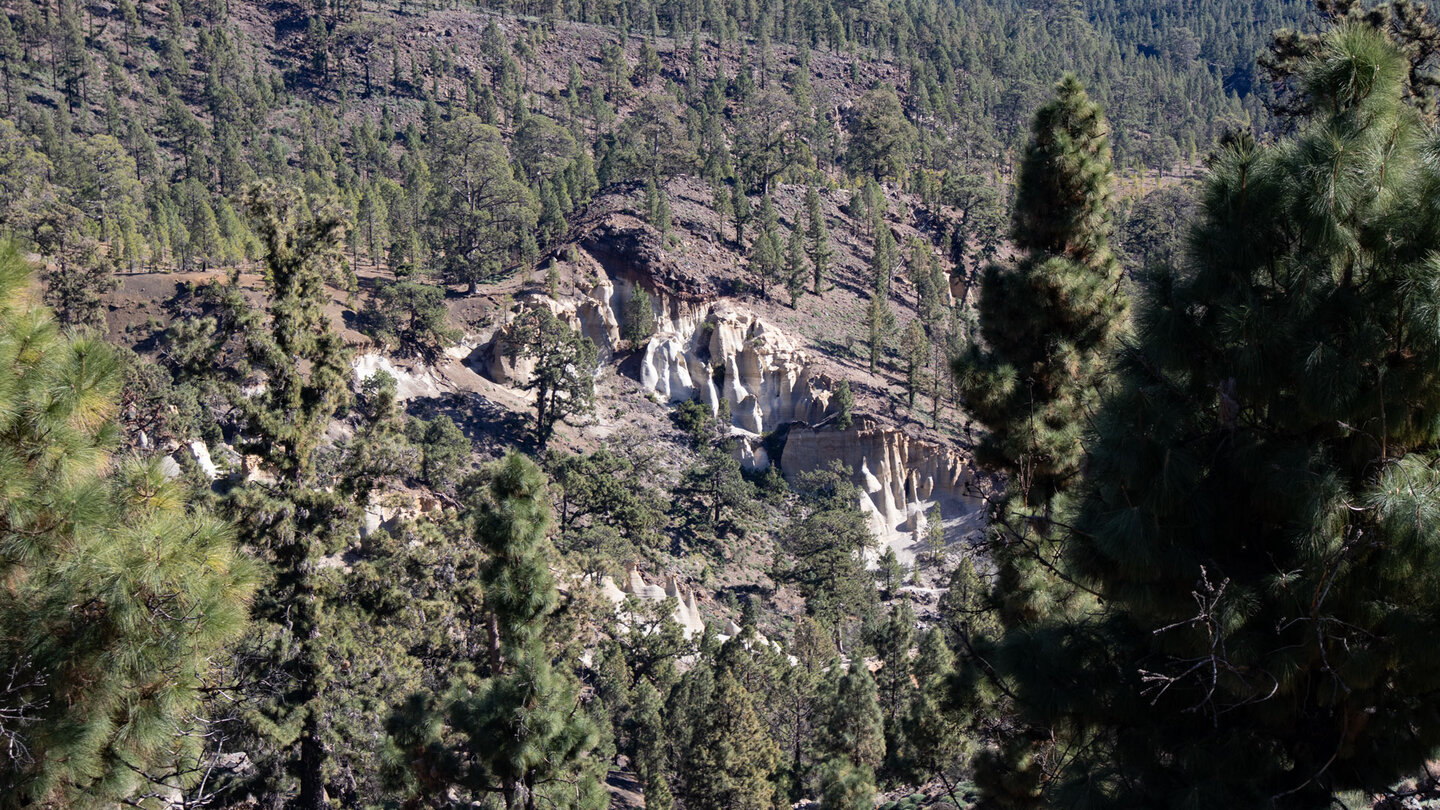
x: 717, y: 351
x: 687, y: 613
x: 903, y: 480
x: 705, y: 351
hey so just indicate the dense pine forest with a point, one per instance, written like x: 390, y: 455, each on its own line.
x: 719, y: 405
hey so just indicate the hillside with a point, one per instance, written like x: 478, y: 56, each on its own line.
x: 718, y: 405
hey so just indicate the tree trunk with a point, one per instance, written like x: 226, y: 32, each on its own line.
x: 312, y: 766
x: 494, y: 628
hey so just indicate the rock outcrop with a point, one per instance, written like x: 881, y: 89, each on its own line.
x: 718, y: 353
x: 687, y: 613
x: 710, y: 352
x: 901, y: 478
x: 593, y: 313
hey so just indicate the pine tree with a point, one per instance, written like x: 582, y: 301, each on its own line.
x: 730, y: 758
x: 766, y: 260
x: 372, y: 219
x: 1256, y: 516
x: 648, y: 713
x: 915, y: 349
x: 1048, y: 321
x: 881, y: 139
x: 935, y: 744
x: 296, y: 520
x: 1048, y: 324
x: 479, y: 212
x: 826, y: 539
x: 844, y: 786
x: 793, y: 271
x: 563, y: 378
x: 10, y: 61
x: 639, y: 317
x: 843, y: 403
x: 76, y: 283
x: 652, y: 202
x: 119, y: 594
x: 552, y: 215
x: 519, y: 730
x: 408, y: 318
x: 715, y: 490
x: 892, y: 641
x: 740, y: 208
x: 854, y: 730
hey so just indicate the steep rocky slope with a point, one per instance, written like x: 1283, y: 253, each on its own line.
x: 728, y: 352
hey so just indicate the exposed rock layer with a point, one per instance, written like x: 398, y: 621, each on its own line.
x: 718, y: 353
x: 902, y: 479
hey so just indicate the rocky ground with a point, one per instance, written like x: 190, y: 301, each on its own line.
x: 788, y: 358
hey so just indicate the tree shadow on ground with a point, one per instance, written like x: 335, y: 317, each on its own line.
x: 492, y: 429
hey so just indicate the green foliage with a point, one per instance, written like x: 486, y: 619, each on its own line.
x: 935, y: 743
x: 76, y: 282
x: 881, y: 139
x: 843, y: 403
x: 518, y: 729
x: 1155, y: 228
x: 380, y: 453
x: 727, y: 758
x: 818, y: 239
x: 826, y: 539
x: 794, y: 273
x: 285, y: 672
x: 965, y: 610
x: 854, y: 729
x: 767, y: 259
x: 1260, y: 482
x: 892, y: 572
x: 846, y: 787
x: 478, y: 209
x: 1049, y: 323
x: 716, y: 495
x: 740, y: 209
x: 1407, y: 25
x: 444, y: 448
x: 893, y: 639
x: 1049, y: 320
x: 879, y: 323
x: 119, y: 596
x: 302, y: 241
x: 409, y: 319
x: 657, y: 207
x: 693, y: 417
x: 639, y: 322
x: 915, y: 350
x: 607, y: 492
x: 563, y: 377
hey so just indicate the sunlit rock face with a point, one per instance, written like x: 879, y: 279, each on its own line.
x: 592, y: 313
x: 717, y: 352
x: 901, y: 480
x: 702, y: 351
x: 686, y: 614
x: 720, y: 352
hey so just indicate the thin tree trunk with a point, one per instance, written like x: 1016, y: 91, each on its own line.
x: 312, y: 766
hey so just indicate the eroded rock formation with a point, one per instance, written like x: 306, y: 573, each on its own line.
x: 720, y: 352
x: 687, y: 613
x: 717, y: 352
x: 902, y: 479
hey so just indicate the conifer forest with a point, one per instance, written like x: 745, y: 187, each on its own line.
x: 719, y: 405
